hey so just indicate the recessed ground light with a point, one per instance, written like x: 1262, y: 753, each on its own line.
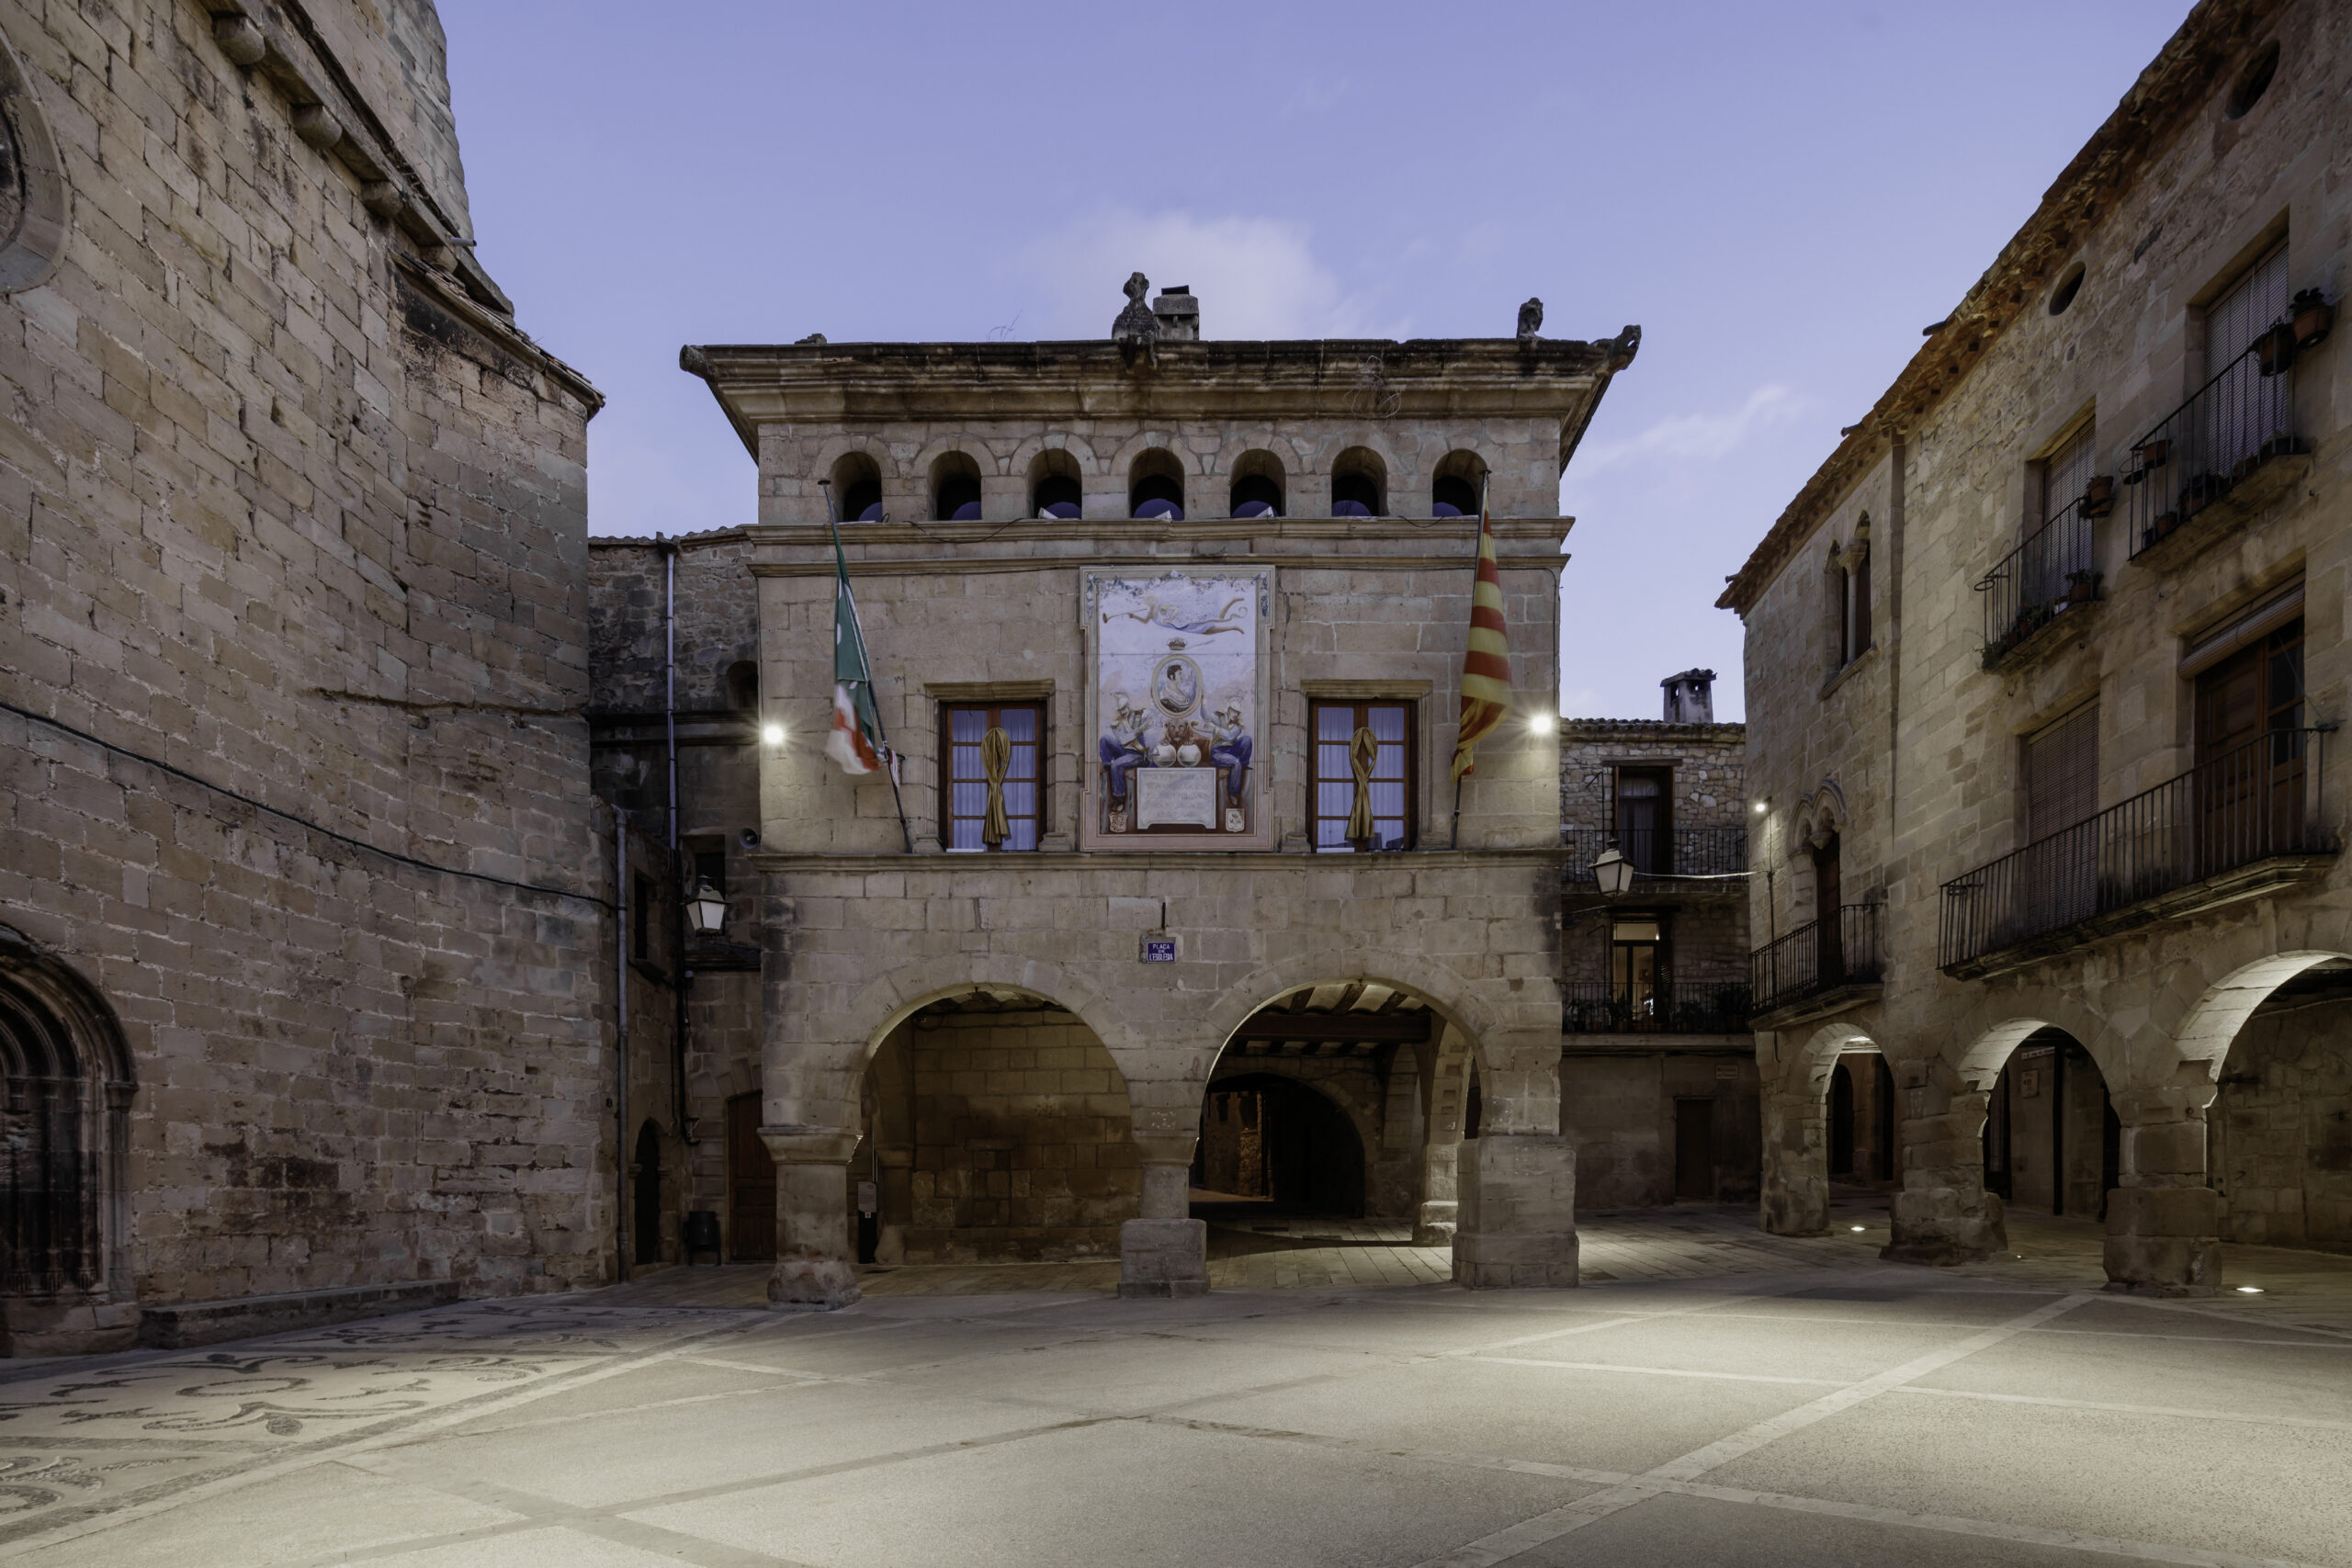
x: 2249, y: 1290
x: 1858, y: 1227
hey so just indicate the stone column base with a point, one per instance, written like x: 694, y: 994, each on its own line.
x: 2164, y: 1241
x: 1944, y: 1225
x: 1163, y: 1258
x: 812, y: 1284
x: 1434, y: 1225
x: 1515, y: 1221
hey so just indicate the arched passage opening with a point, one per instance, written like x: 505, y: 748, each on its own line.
x: 2052, y: 1143
x: 2279, y: 1134
x: 1270, y: 1142
x: 1859, y: 1122
x: 997, y: 1129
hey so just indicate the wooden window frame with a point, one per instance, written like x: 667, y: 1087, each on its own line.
x: 1316, y: 778
x: 994, y: 710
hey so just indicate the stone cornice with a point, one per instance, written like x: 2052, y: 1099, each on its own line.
x: 1029, y: 862
x: 1367, y: 380
x: 2184, y: 77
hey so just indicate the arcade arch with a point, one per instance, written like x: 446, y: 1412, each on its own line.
x: 2278, y: 1133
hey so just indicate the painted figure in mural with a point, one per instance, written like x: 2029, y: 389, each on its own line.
x: 1231, y: 748
x: 1155, y: 613
x: 1124, y: 745
x: 1177, y: 687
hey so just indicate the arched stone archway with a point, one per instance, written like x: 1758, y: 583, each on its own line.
x: 1796, y: 1196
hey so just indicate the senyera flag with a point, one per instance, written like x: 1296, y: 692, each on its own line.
x: 856, y: 739
x: 1486, y: 668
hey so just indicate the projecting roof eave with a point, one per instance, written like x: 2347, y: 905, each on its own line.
x: 1315, y: 378
x: 2185, y: 73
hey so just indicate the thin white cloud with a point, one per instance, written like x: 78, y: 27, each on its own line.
x: 1700, y: 437
x: 1256, y: 277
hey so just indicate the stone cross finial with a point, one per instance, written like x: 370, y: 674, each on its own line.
x: 1136, y: 326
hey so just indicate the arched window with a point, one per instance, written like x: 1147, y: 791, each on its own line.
x: 1055, y: 489
x: 1156, y: 486
x: 1359, y: 484
x: 857, y: 489
x: 955, y: 489
x: 1458, y: 486
x: 742, y: 685
x: 1257, y: 486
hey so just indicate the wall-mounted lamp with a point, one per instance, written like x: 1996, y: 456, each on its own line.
x: 1541, y: 723
x: 772, y: 734
x: 1762, y: 806
x: 706, y: 906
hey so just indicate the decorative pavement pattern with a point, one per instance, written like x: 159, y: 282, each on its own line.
x: 1718, y: 1397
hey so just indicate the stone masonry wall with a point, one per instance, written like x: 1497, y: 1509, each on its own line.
x: 2282, y: 1134
x: 283, y: 509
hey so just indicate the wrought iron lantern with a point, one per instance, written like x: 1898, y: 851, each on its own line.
x: 706, y: 906
x: 1612, y: 871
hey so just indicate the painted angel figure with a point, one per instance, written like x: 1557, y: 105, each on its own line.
x: 1155, y: 613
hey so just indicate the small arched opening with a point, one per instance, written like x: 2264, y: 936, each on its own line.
x: 1257, y: 487
x: 1056, y: 488
x: 955, y: 488
x: 1156, y: 486
x: 857, y: 488
x: 645, y: 1175
x: 1458, y: 487
x: 1359, y: 484
x: 744, y: 685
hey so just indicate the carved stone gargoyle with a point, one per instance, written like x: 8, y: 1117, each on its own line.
x: 1622, y: 348
x: 1136, y: 327
x: 1530, y: 321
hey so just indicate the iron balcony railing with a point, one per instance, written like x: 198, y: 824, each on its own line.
x: 2253, y: 802
x: 1673, y: 851
x: 1686, y: 1007
x: 2235, y: 422
x: 2052, y: 572
x: 1818, y: 956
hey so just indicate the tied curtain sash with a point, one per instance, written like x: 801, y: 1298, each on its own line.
x: 1363, y: 750
x: 996, y: 761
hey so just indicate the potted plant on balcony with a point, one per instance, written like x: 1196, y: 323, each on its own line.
x: 2152, y: 452
x: 2082, y: 587
x: 2099, y: 496
x: 2313, y: 317
x: 2201, y: 491
x: 2274, y: 351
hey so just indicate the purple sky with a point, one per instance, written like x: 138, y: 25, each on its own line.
x: 1781, y: 195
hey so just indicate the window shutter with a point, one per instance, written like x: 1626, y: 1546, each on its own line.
x: 2062, y: 774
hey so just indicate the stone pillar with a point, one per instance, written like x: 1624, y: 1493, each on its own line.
x: 1433, y: 1225
x: 814, y: 1266
x: 1516, y: 1222
x: 1942, y: 1212
x: 2164, y: 1224
x: 1166, y: 1251
x: 1795, y: 1196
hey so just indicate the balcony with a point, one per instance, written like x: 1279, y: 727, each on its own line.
x: 1687, y: 1007
x: 2051, y: 574
x: 2219, y: 460
x: 2243, y: 824
x: 1717, y: 852
x: 1817, y: 968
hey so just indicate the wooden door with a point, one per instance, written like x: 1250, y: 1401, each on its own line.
x: 1694, y: 1151
x: 2249, y: 795
x: 751, y: 1184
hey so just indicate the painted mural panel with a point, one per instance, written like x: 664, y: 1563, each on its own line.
x: 1176, y: 699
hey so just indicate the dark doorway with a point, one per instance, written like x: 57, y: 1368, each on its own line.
x: 645, y: 1222
x: 751, y: 1184
x: 1276, y: 1140
x: 1694, y: 1151
x: 1828, y: 897
x: 1841, y: 1121
x: 1886, y: 1144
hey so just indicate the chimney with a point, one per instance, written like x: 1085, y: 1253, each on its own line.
x: 1691, y: 697
x: 1179, y: 313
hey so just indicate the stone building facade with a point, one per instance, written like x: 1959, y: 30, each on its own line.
x: 305, y: 957
x: 977, y: 1048
x: 2043, y: 670
x: 1657, y: 1070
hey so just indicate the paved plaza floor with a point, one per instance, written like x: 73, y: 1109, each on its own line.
x: 1720, y: 1398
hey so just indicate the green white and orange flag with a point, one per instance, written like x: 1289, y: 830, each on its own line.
x: 1486, y: 668
x: 856, y: 741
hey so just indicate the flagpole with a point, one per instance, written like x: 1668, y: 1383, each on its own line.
x: 890, y: 757
x: 1453, y: 840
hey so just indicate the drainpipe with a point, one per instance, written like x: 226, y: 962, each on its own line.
x: 677, y: 867
x: 620, y: 1052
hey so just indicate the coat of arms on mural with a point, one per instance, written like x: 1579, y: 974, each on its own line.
x: 1177, y: 691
